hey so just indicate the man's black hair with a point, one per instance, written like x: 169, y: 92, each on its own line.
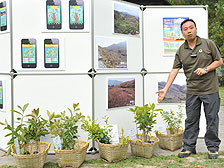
x: 186, y: 20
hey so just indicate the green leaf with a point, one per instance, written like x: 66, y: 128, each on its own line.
x: 17, y: 112
x: 25, y: 107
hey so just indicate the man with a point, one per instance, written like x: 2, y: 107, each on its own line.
x: 199, y: 58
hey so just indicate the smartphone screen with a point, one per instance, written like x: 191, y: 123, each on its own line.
x: 76, y: 14
x: 29, y: 56
x: 53, y: 14
x: 3, y: 12
x: 51, y: 53
x: 1, y: 95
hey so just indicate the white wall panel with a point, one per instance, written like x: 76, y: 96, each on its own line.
x: 103, y: 26
x: 5, y: 53
x: 54, y: 93
x: 27, y: 21
x: 6, y: 114
x: 120, y: 116
x: 153, y: 37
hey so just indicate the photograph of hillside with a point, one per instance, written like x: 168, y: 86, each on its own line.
x: 126, y: 19
x: 121, y: 92
x: 111, y: 52
x: 176, y: 92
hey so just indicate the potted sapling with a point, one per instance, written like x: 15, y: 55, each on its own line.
x: 102, y: 134
x: 174, y: 138
x: 145, y: 119
x: 25, y: 144
x: 70, y: 152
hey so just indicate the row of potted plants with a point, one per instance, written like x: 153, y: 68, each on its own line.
x: 25, y: 142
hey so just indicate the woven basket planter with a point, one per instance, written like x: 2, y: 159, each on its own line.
x: 139, y: 148
x: 32, y: 160
x: 72, y: 158
x: 113, y: 152
x: 170, y: 141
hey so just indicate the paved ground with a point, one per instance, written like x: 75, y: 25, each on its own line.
x: 200, y: 148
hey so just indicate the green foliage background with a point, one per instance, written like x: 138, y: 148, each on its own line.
x: 215, y: 24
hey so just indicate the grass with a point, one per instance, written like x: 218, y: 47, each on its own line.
x: 194, y: 161
x: 221, y: 94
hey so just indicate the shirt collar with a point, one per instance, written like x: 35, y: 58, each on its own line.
x: 198, y: 42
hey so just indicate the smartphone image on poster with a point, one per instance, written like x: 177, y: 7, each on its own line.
x: 29, y: 53
x: 76, y: 14
x: 3, y: 20
x: 53, y: 8
x: 51, y: 53
x: 1, y: 95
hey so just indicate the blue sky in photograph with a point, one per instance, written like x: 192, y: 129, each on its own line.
x: 133, y: 11
x: 107, y: 41
x: 121, y: 79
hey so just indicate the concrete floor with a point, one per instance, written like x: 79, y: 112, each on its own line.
x: 201, y: 147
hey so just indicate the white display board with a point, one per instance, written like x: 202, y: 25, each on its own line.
x: 54, y: 93
x: 104, y: 27
x: 151, y: 87
x: 5, y: 53
x: 120, y: 115
x: 155, y: 59
x: 58, y: 91
x: 6, y: 111
x: 76, y: 45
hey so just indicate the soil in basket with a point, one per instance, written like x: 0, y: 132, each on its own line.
x: 27, y: 153
x: 149, y: 141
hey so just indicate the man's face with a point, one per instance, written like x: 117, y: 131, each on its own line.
x: 189, y: 31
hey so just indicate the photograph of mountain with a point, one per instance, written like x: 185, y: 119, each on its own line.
x: 176, y: 92
x: 111, y: 52
x: 126, y: 19
x: 121, y: 92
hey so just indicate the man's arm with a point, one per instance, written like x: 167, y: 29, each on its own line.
x: 172, y: 76
x: 211, y: 67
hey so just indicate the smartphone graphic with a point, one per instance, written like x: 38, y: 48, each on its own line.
x: 53, y: 8
x: 3, y: 19
x: 76, y: 14
x: 51, y: 53
x: 29, y: 53
x: 1, y: 95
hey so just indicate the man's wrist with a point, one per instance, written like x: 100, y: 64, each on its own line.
x: 206, y: 70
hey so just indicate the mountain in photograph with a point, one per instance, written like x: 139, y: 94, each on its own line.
x: 125, y: 23
x: 175, y: 94
x: 114, y: 82
x: 121, y: 95
x: 113, y: 56
x: 119, y: 48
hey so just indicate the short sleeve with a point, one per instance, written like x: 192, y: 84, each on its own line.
x: 177, y: 62
x: 216, y: 53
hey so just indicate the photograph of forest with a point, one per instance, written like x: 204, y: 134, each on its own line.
x: 126, y: 19
x: 121, y: 92
x: 111, y: 52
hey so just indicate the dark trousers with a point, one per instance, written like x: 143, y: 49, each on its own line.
x: 211, y: 104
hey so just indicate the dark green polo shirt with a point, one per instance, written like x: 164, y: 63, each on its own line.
x: 203, y: 54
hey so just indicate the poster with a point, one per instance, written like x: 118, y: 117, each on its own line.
x: 2, y: 95
x: 121, y: 92
x: 4, y: 16
x: 111, y: 53
x: 172, y: 35
x: 176, y: 92
x: 65, y: 16
x: 39, y: 53
x: 126, y: 19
